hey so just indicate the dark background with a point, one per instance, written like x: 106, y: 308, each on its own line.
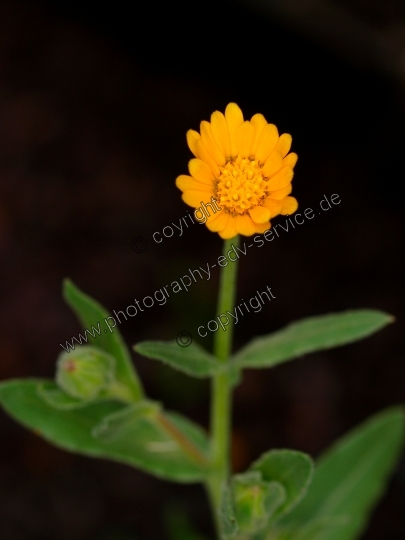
x: 95, y: 101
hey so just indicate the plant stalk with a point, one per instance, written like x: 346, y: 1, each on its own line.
x: 221, y: 399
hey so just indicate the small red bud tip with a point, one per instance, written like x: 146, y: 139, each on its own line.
x: 70, y: 365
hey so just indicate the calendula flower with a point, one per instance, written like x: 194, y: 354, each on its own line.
x: 242, y: 167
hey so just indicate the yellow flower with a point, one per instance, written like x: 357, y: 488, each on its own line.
x: 242, y: 165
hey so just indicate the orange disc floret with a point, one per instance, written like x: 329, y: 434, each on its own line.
x: 246, y: 166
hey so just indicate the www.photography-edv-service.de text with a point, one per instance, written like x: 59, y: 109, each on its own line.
x: 188, y: 279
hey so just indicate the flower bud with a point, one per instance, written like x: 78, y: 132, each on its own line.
x: 255, y: 501
x: 85, y: 372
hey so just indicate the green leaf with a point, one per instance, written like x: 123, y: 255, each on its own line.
x: 91, y: 313
x: 147, y: 442
x: 255, y: 500
x: 163, y: 443
x: 352, y: 475
x: 310, y: 335
x: 58, y: 399
x: 227, y: 521
x: 292, y: 469
x: 316, y: 529
x: 115, y: 425
x: 192, y: 360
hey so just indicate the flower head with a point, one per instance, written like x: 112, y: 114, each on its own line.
x: 243, y: 168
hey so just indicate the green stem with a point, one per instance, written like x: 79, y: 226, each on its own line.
x: 221, y: 400
x: 226, y: 301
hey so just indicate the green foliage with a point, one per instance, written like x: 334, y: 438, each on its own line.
x: 349, y: 478
x: 292, y: 469
x: 117, y: 424
x: 256, y: 500
x: 317, y: 529
x: 91, y: 313
x: 164, y: 444
x: 97, y: 408
x: 58, y: 399
x: 70, y: 429
x: 310, y: 335
x: 192, y: 360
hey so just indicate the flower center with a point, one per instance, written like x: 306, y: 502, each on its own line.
x: 240, y: 186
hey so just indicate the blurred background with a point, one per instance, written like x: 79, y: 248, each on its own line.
x: 95, y: 101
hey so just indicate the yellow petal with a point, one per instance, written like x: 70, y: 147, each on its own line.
x: 260, y: 214
x: 206, y: 156
x: 262, y: 227
x: 220, y: 133
x: 195, y: 198
x: 258, y: 121
x: 234, y: 118
x: 280, y: 193
x: 267, y: 142
x: 245, y: 225
x: 290, y: 205
x: 192, y: 138
x: 273, y: 206
x: 200, y: 171
x: 218, y: 221
x: 281, y: 179
x: 229, y: 231
x: 244, y: 138
x: 290, y: 160
x: 210, y: 144
x: 284, y: 144
x: 188, y: 183
x: 273, y: 164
